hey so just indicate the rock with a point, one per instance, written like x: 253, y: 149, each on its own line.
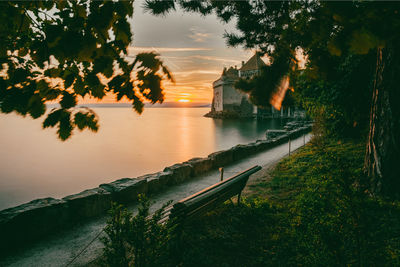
x: 265, y: 144
x: 156, y: 181
x: 254, y: 148
x: 180, y: 172
x: 221, y: 158
x: 293, y: 125
x: 200, y: 165
x: 126, y: 190
x: 88, y: 204
x: 241, y: 151
x: 153, y: 184
x: 273, y: 134
x: 258, y: 146
x: 165, y: 177
x: 31, y: 221
x: 281, y: 139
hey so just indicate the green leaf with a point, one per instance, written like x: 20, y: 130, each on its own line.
x: 65, y: 127
x: 138, y: 105
x: 52, y: 72
x: 19, y: 75
x: 98, y: 91
x: 148, y: 60
x: 79, y: 87
x: 104, y: 65
x: 86, y: 120
x: 53, y: 118
x: 68, y: 100
x: 122, y: 32
x: 116, y: 82
x: 36, y: 106
x: 42, y: 86
x: 53, y: 34
x: 69, y: 80
x: 95, y: 87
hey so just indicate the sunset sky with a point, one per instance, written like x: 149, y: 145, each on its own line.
x: 192, y: 46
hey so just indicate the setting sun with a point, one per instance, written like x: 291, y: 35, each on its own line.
x: 183, y: 100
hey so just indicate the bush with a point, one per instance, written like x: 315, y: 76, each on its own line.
x: 333, y: 219
x: 135, y: 240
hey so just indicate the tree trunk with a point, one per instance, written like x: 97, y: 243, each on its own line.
x: 382, y: 160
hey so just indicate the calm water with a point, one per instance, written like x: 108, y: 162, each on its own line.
x: 35, y: 164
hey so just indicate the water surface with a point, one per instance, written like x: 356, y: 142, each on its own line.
x: 35, y: 164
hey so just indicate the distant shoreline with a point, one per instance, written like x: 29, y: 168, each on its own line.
x: 147, y: 105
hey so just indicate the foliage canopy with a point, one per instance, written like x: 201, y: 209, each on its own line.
x: 59, y: 51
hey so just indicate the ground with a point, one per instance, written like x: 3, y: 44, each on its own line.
x: 309, y: 209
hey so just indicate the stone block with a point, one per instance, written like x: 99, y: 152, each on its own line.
x: 32, y: 221
x: 165, y: 177
x: 200, y: 165
x: 252, y: 147
x: 273, y: 134
x: 259, y: 146
x: 241, y: 151
x: 265, y: 144
x: 88, y: 204
x: 156, y: 181
x: 221, y: 158
x: 281, y: 139
x: 153, y: 184
x: 126, y: 190
x: 180, y: 172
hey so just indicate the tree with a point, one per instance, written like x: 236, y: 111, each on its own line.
x: 327, y: 32
x: 59, y: 51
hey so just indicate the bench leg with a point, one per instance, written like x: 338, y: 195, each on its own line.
x: 239, y: 195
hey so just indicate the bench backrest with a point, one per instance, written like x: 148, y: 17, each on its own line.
x: 205, y: 200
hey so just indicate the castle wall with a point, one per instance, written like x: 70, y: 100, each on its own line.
x: 231, y: 95
x: 218, y: 96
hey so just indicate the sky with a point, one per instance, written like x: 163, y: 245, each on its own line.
x: 191, y: 45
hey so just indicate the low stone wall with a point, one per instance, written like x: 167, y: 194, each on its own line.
x: 38, y: 218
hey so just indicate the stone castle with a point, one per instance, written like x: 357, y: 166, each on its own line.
x: 228, y: 102
x: 227, y: 99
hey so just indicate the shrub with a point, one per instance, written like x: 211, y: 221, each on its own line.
x: 137, y: 240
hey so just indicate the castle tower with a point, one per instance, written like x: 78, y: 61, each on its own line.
x: 226, y: 97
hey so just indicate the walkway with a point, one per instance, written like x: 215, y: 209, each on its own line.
x: 60, y: 249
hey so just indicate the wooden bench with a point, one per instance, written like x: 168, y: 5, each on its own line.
x: 207, y: 199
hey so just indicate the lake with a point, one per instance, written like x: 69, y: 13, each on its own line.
x: 35, y: 164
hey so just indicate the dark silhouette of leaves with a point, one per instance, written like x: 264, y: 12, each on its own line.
x: 53, y: 118
x: 68, y: 100
x: 65, y: 126
x: 86, y: 120
x: 36, y: 106
x: 65, y: 53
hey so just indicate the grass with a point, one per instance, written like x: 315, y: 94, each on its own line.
x: 311, y: 210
